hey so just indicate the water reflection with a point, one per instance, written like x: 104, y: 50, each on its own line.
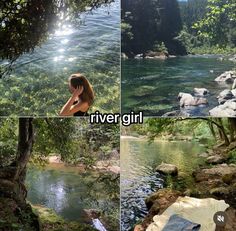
x: 68, y: 191
x: 64, y: 30
x: 138, y: 178
x: 93, y: 48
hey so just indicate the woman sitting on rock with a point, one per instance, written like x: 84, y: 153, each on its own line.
x: 81, y: 99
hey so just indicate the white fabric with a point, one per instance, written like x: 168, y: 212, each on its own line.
x: 98, y: 225
x: 199, y: 211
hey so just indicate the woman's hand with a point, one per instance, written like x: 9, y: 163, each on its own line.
x: 78, y: 91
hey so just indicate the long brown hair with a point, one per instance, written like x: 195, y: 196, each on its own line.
x: 87, y: 95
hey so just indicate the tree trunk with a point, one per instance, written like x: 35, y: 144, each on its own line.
x: 212, y: 129
x: 12, y: 177
x: 232, y: 128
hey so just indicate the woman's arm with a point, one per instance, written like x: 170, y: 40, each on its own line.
x: 69, y: 109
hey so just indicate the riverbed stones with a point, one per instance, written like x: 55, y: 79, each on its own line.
x: 186, y: 99
x: 224, y: 96
x: 233, y: 58
x: 215, y: 172
x: 216, y: 159
x: 200, y: 91
x: 168, y: 169
x: 177, y: 113
x: 228, y: 109
x: 227, y: 77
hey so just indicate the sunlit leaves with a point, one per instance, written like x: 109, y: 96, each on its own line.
x: 218, y: 22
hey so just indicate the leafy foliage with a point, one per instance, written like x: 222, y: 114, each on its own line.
x: 210, y: 26
x: 145, y: 22
x: 76, y: 140
x: 218, y: 22
x: 26, y: 24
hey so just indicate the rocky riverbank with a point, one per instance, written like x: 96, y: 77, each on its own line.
x: 199, y: 97
x: 216, y: 179
x: 111, y: 165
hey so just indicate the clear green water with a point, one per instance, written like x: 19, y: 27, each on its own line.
x: 138, y: 178
x: 69, y: 191
x: 38, y: 81
x: 152, y: 86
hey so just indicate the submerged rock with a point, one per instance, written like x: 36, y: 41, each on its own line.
x: 201, y: 91
x: 168, y: 169
x: 186, y: 99
x: 177, y: 113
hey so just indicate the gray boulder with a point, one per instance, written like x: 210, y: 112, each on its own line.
x: 168, y: 169
x: 200, y: 91
x: 234, y: 84
x: 228, y: 109
x: 224, y: 96
x: 186, y: 99
x: 227, y: 77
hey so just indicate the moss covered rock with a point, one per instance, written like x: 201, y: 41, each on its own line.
x: 50, y: 221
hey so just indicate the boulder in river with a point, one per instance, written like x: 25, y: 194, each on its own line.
x: 228, y: 109
x: 224, y: 96
x: 168, y: 169
x: 124, y: 56
x: 138, y: 56
x: 227, y: 77
x: 156, y: 55
x: 233, y: 58
x: 186, y: 99
x: 200, y: 91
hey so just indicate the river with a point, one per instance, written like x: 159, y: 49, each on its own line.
x: 138, y: 178
x: 38, y: 85
x: 152, y: 86
x: 69, y: 191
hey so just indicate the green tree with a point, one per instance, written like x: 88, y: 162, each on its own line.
x: 32, y: 138
x: 218, y: 25
x: 151, y: 21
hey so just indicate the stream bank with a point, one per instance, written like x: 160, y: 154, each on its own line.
x: 215, y: 179
x: 153, y: 85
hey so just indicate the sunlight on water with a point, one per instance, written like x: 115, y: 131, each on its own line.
x: 64, y: 30
x: 92, y: 48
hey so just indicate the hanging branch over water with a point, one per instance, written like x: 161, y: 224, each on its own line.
x: 25, y: 24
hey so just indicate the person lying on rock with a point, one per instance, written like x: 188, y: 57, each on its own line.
x: 81, y: 99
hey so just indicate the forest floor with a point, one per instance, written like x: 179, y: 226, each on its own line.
x: 215, y: 179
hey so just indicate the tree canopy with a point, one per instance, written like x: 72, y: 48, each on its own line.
x: 147, y: 22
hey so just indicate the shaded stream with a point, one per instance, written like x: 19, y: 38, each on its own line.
x: 138, y: 178
x: 69, y: 191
